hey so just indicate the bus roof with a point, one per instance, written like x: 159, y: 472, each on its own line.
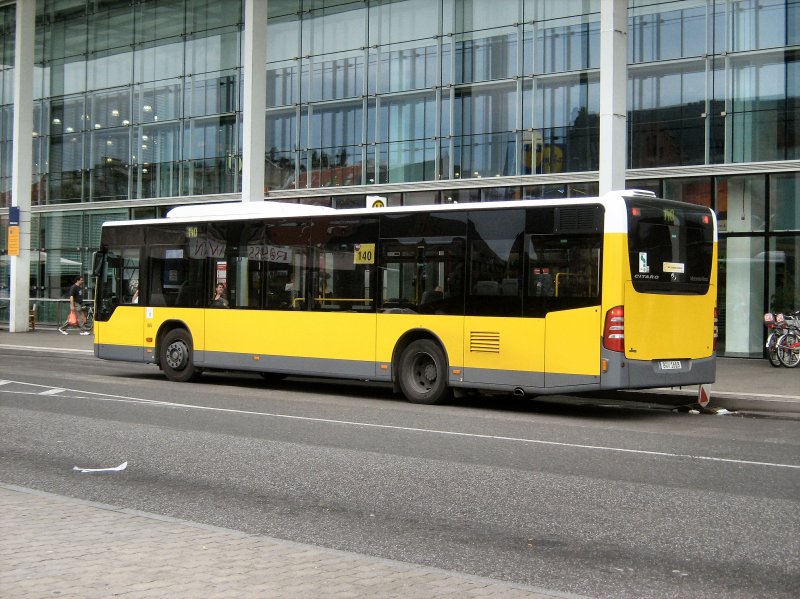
x: 231, y: 211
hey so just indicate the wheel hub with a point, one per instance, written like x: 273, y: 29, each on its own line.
x: 176, y: 356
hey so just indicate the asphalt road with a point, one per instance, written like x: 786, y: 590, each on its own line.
x: 592, y: 500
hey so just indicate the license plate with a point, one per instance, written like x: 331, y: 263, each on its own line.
x: 671, y: 365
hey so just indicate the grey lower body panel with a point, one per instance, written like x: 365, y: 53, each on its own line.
x: 648, y: 374
x: 622, y: 373
x: 121, y: 353
x: 350, y: 369
x: 531, y: 383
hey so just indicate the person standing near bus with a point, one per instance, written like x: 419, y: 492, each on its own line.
x: 76, y: 316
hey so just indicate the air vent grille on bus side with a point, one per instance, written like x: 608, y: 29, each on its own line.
x: 577, y: 219
x: 484, y: 342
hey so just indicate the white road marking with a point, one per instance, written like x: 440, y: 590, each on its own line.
x: 53, y: 391
x: 169, y: 404
x: 58, y: 350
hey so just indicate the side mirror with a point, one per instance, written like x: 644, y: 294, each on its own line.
x: 98, y: 259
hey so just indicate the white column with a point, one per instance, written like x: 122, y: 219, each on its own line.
x: 613, y: 93
x: 254, y: 102
x: 22, y: 163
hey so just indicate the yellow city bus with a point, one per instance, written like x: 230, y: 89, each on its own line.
x: 525, y: 297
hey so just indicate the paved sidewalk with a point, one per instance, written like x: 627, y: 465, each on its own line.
x: 57, y: 546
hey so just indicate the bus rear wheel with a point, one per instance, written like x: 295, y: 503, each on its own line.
x: 423, y: 373
x: 176, y: 356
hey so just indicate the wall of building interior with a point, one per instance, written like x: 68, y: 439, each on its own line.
x: 139, y: 104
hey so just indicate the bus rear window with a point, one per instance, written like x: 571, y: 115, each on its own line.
x: 670, y: 246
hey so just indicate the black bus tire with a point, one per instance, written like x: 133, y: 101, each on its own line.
x: 422, y: 373
x: 175, y: 356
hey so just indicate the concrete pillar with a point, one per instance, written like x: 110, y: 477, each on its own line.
x: 22, y: 162
x: 254, y: 103
x: 613, y: 93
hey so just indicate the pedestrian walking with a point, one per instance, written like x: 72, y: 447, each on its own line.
x: 76, y: 317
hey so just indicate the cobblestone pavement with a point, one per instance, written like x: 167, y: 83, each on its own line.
x: 53, y: 546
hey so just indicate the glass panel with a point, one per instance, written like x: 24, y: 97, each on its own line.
x: 667, y: 126
x: 67, y: 76
x: 67, y: 115
x: 111, y: 28
x: 109, y: 164
x: 667, y: 30
x: 209, y: 14
x: 540, y: 11
x: 566, y: 123
x: 157, y: 156
x: 489, y: 155
x: 281, y: 132
x: 282, y: 82
x: 334, y: 77
x: 109, y: 69
x: 407, y: 117
x: 214, y: 51
x: 695, y: 190
x: 159, y: 60
x: 334, y: 29
x: 784, y: 195
x: 483, y: 14
x: 485, y: 109
x: 214, y: 93
x: 336, y: 125
x: 391, y: 21
x: 763, y: 120
x: 486, y: 55
x: 757, y: 24
x: 403, y: 67
x: 159, y: 20
x: 563, y: 45
x: 783, y: 263
x: 283, y: 37
x: 741, y: 203
x: 65, y: 160
x: 210, y: 151
x: 407, y: 161
x: 111, y: 108
x: 741, y: 296
x: 158, y: 101
x: 67, y: 34
x: 332, y: 167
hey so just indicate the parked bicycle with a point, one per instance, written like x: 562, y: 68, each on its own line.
x: 787, y: 346
x: 783, y: 340
x: 775, y: 326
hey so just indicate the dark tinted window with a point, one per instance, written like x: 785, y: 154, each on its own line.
x: 176, y: 265
x: 496, y: 241
x: 422, y: 262
x: 670, y: 246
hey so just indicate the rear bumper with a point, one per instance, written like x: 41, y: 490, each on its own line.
x: 647, y: 374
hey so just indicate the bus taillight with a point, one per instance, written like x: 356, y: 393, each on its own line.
x: 614, y: 329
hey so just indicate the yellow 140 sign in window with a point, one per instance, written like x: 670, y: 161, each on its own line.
x: 364, y: 253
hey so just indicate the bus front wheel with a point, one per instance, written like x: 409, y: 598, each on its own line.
x: 423, y: 373
x: 176, y: 356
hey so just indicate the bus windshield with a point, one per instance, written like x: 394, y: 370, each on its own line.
x: 670, y: 247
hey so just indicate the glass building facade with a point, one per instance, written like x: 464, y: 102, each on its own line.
x: 138, y: 106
